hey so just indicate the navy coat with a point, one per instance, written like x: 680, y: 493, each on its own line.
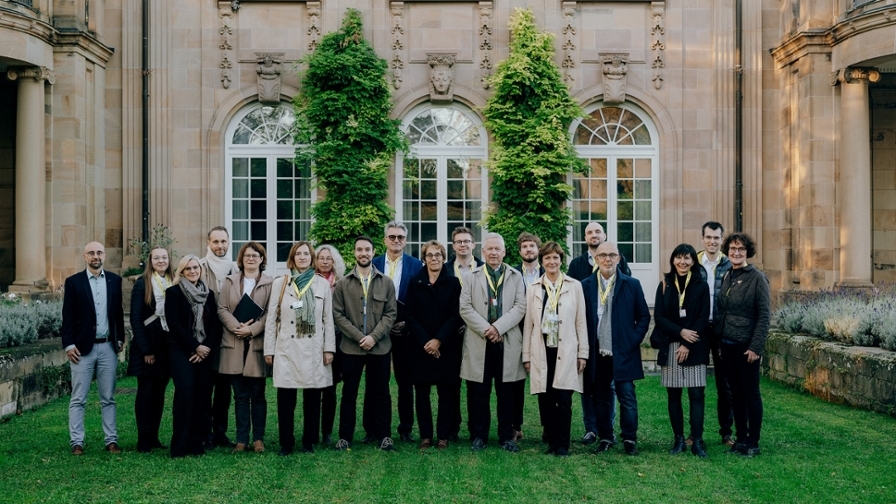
x: 434, y: 313
x: 410, y: 266
x: 79, y: 312
x: 631, y: 318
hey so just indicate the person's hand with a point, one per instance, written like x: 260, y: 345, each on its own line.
x: 195, y: 358
x: 149, y: 359
x: 397, y: 329
x: 432, y: 346
x: 492, y: 335
x: 269, y: 360
x: 328, y: 358
x: 526, y: 365
x: 74, y: 355
x: 203, y: 351
x: 689, y: 335
x: 366, y: 343
x: 682, y: 353
x: 243, y: 330
x: 751, y: 356
x: 581, y: 365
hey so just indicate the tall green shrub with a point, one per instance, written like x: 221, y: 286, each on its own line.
x: 529, y: 115
x: 345, y: 133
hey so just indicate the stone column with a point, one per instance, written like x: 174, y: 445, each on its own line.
x: 855, y: 176
x: 31, y: 180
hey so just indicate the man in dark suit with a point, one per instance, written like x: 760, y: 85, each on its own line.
x: 92, y: 335
x: 617, y: 318
x: 401, y: 268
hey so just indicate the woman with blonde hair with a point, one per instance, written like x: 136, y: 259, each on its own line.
x: 331, y: 267
x: 148, y: 359
x: 299, y: 342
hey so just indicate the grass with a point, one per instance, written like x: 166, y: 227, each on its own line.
x: 812, y: 452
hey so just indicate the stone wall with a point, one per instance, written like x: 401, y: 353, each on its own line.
x: 863, y: 377
x: 32, y: 375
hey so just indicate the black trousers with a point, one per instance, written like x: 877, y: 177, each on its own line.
x: 448, y: 402
x: 480, y: 412
x: 401, y: 365
x: 327, y: 410
x: 148, y: 407
x: 696, y: 405
x: 251, y: 407
x: 723, y: 390
x: 519, y: 402
x: 192, y: 400
x: 377, y: 398
x: 220, y: 409
x: 286, y: 415
x: 555, y: 407
x: 746, y: 400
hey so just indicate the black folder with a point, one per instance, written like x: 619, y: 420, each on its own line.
x: 247, y: 310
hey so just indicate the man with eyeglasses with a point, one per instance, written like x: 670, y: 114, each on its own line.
x: 401, y: 268
x: 617, y: 318
x: 715, y: 264
x: 92, y: 335
x: 464, y: 261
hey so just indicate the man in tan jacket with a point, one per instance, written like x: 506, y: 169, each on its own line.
x: 492, y: 304
x: 364, y: 310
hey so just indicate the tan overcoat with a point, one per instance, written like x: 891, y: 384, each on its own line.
x: 573, y: 341
x: 231, y: 346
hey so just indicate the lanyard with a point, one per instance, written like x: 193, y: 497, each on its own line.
x: 301, y: 293
x: 365, y: 285
x: 457, y: 273
x: 158, y: 280
x: 392, y: 267
x: 603, y: 293
x: 491, y: 284
x: 553, y: 293
x: 680, y: 293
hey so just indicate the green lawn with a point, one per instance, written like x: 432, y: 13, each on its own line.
x: 812, y: 452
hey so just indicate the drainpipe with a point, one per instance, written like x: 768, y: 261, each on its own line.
x: 738, y: 117
x: 145, y: 84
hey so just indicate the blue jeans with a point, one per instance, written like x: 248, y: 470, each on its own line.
x: 589, y: 411
x: 628, y: 403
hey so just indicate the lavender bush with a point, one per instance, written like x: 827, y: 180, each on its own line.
x: 22, y: 323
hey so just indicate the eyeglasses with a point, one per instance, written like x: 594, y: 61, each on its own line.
x: 463, y: 242
x: 437, y: 255
x: 396, y: 238
x: 738, y: 250
x: 604, y: 257
x: 252, y: 256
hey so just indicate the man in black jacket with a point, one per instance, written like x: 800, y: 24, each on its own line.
x: 92, y: 335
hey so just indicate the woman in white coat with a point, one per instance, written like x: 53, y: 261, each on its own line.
x: 555, y: 345
x: 299, y: 342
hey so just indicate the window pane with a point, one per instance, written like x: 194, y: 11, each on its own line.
x: 259, y: 167
x: 626, y: 250
x: 240, y: 209
x: 283, y: 252
x: 240, y: 230
x: 259, y: 188
x: 625, y: 231
x: 258, y: 209
x: 455, y: 210
x: 624, y: 168
x: 642, y: 168
x: 598, y: 189
x: 643, y: 253
x: 240, y: 167
x: 411, y: 211
x: 284, y: 189
x: 624, y: 189
x: 643, y: 210
x: 455, y: 189
x: 643, y: 232
x: 258, y: 231
x: 240, y: 188
x: 284, y: 231
x: 625, y: 209
x: 428, y: 189
x: 428, y: 211
x: 642, y: 189
x: 599, y: 168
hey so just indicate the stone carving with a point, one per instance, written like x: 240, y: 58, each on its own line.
x: 268, y: 71
x: 397, y: 63
x: 658, y: 32
x: 855, y: 75
x: 569, y: 45
x: 226, y: 46
x: 313, y: 14
x: 38, y: 73
x: 485, y: 43
x: 441, y: 77
x: 615, y: 70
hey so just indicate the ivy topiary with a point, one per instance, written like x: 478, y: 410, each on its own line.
x: 529, y: 115
x: 345, y: 133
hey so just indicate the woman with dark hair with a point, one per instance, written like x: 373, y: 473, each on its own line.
x: 555, y: 345
x: 681, y: 313
x: 194, y: 329
x: 330, y: 266
x: 299, y: 342
x: 148, y: 359
x: 744, y: 314
x: 242, y: 354
x: 433, y: 317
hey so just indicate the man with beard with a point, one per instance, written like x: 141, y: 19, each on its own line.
x: 92, y: 334
x: 364, y: 311
x: 528, y: 244
x: 216, y: 266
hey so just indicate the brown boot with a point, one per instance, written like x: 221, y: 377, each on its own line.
x: 239, y: 448
x: 259, y: 446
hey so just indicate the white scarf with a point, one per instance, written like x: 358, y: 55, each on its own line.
x: 220, y: 266
x: 159, y: 285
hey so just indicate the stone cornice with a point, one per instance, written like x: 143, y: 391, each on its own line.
x: 84, y: 44
x: 802, y: 44
x: 864, y: 22
x: 14, y: 20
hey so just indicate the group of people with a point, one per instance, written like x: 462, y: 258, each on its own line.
x: 218, y: 329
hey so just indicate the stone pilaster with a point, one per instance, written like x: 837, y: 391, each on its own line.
x: 31, y: 178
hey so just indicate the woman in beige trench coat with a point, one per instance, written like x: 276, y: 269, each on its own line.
x: 555, y: 345
x: 241, y: 346
x: 299, y: 343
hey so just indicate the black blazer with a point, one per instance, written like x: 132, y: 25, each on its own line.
x: 146, y: 339
x: 79, y: 312
x: 669, y: 325
x: 180, y: 322
x: 434, y: 313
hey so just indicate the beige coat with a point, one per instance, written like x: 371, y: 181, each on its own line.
x: 232, y: 347
x: 474, y: 311
x: 211, y: 281
x: 299, y: 358
x: 573, y: 341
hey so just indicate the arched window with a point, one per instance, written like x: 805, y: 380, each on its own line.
x: 445, y: 184
x: 621, y: 191
x: 268, y: 197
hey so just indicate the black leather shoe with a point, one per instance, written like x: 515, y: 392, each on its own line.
x: 224, y: 442
x: 367, y: 440
x: 478, y: 445
x: 751, y: 451
x: 561, y: 452
x: 589, y: 438
x: 678, y: 446
x: 284, y: 452
x: 307, y: 448
x: 603, y: 446
x: 510, y: 446
x: 208, y: 445
x: 406, y: 438
x: 737, y: 449
x: 631, y: 448
x: 698, y: 448
x: 387, y: 445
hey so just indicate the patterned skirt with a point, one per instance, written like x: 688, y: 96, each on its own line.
x: 674, y: 375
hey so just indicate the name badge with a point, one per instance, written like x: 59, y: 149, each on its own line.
x: 600, y: 310
x: 682, y: 313
x: 495, y: 302
x: 297, y: 305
